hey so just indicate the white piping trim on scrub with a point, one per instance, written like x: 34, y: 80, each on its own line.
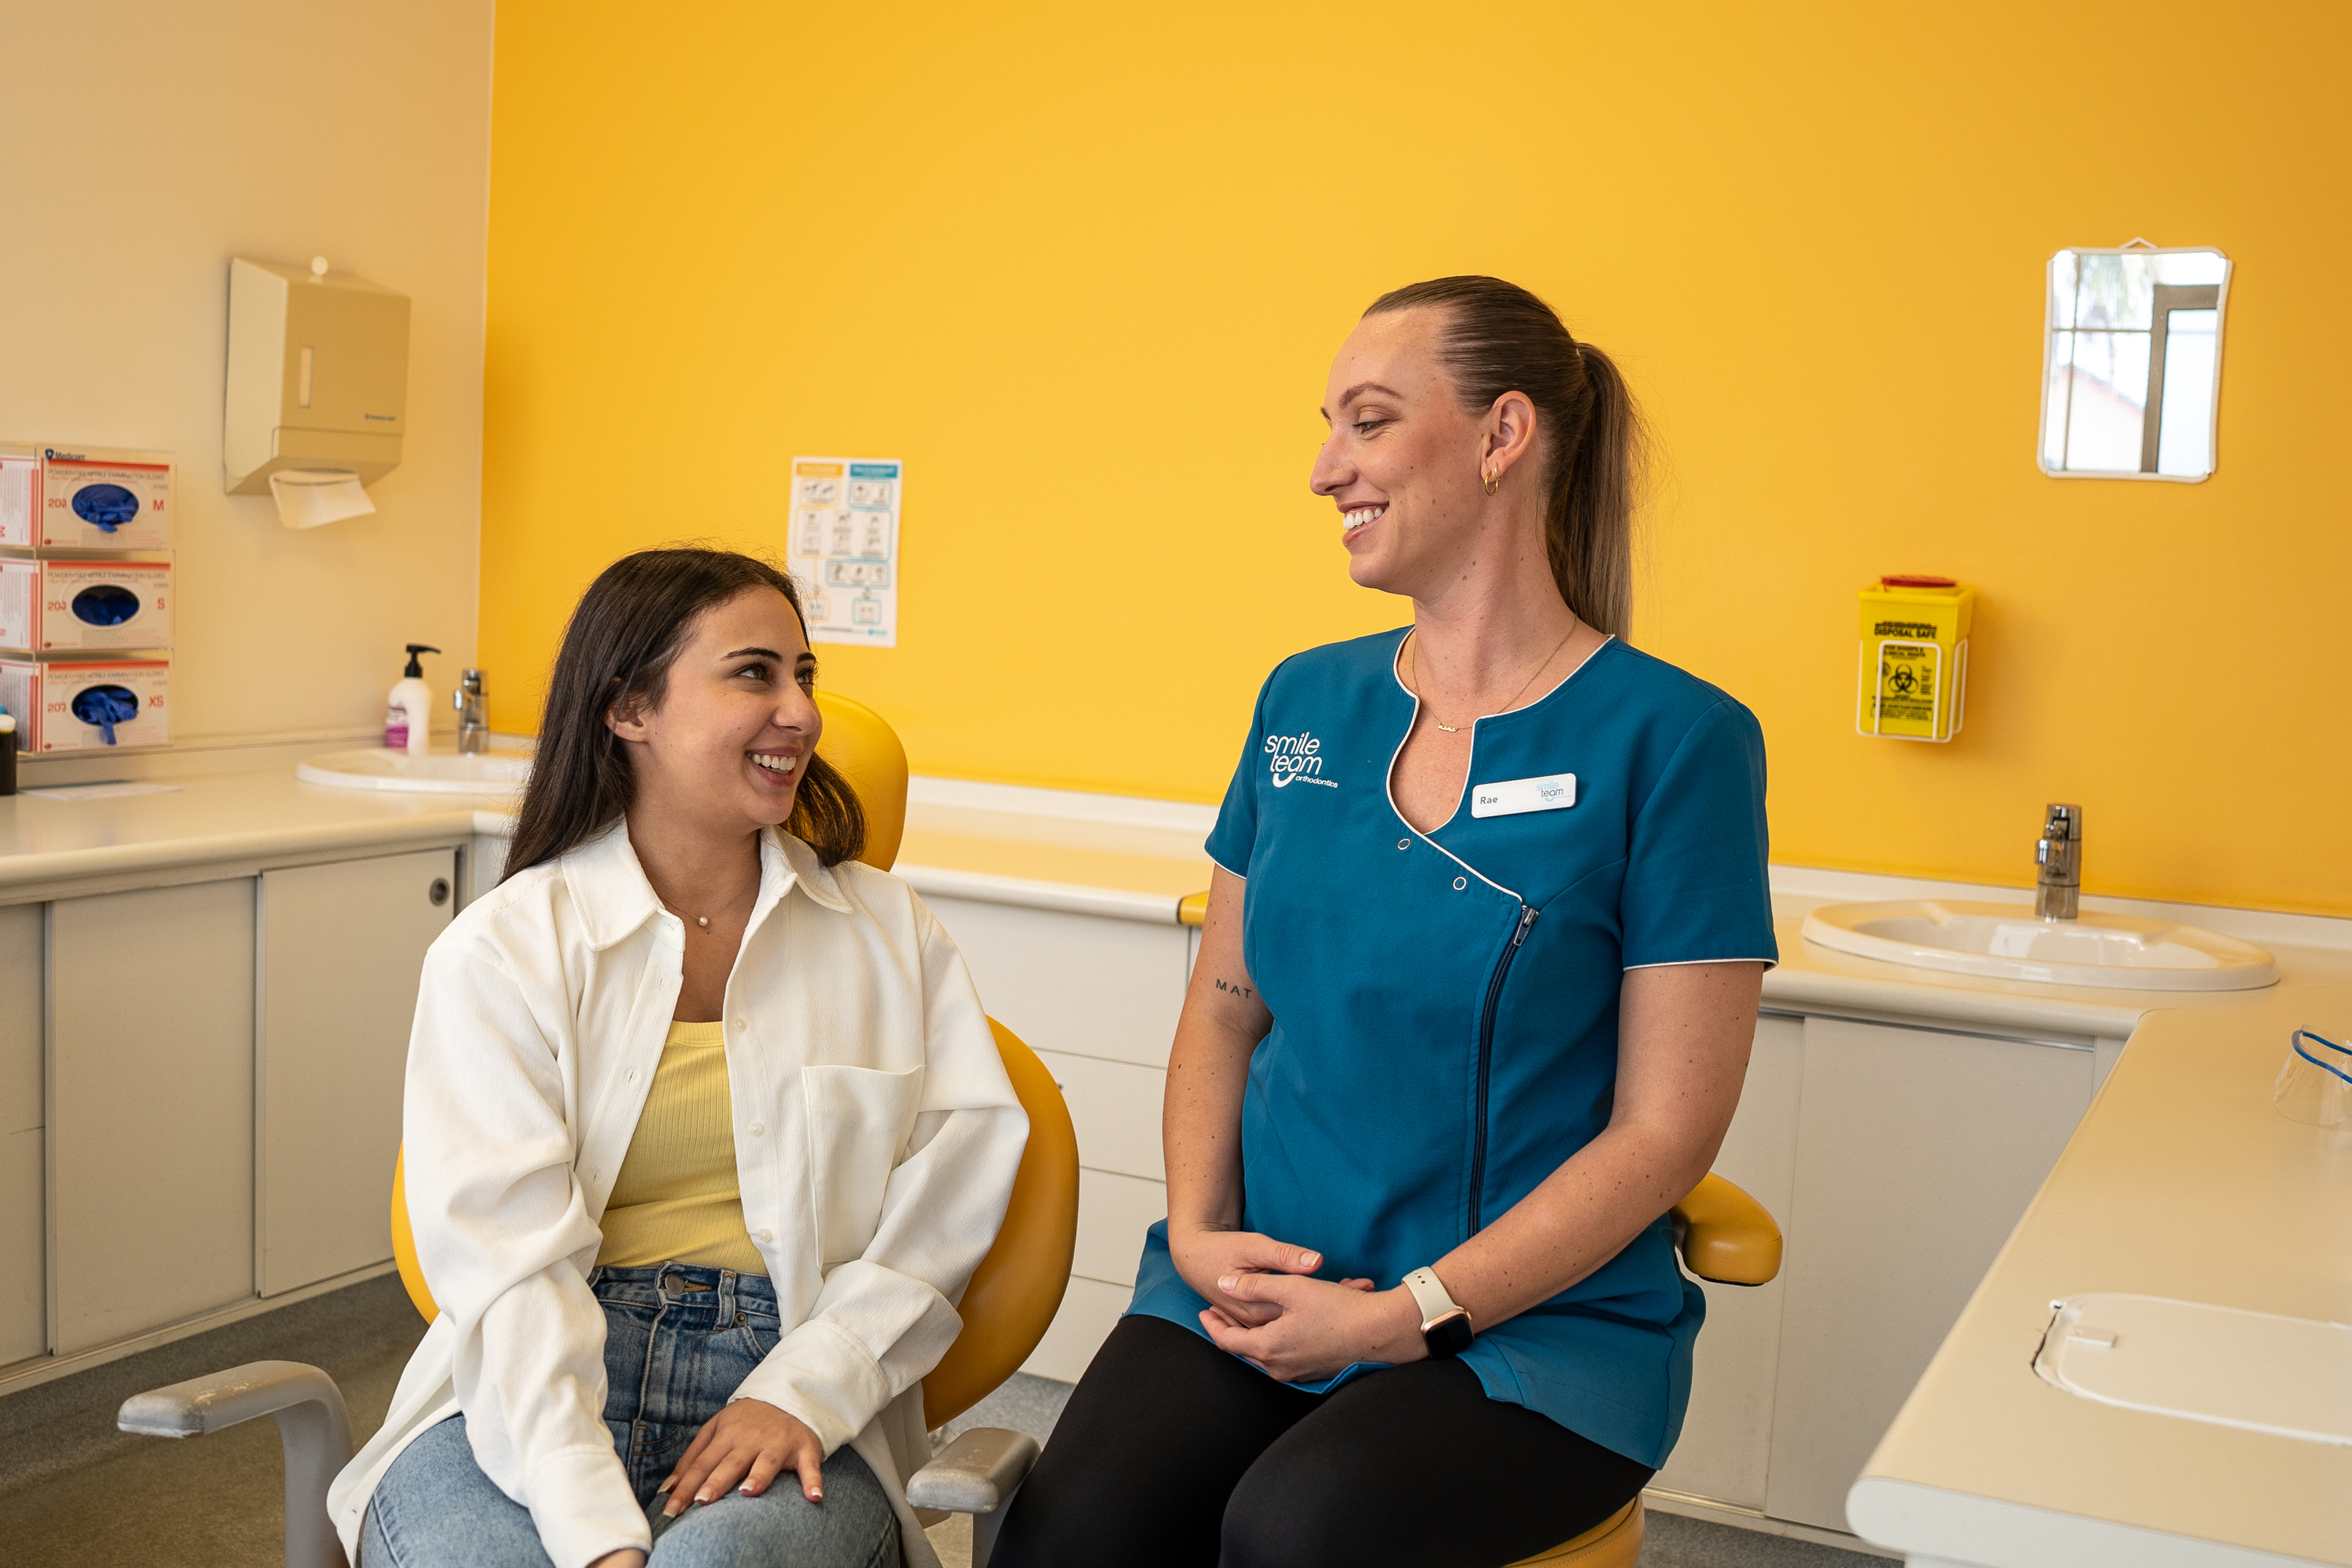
x: 1686, y: 963
x: 1388, y: 778
x: 1228, y: 870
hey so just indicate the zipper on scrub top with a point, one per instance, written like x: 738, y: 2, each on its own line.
x: 1486, y: 1064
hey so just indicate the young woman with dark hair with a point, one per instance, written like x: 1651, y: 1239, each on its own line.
x: 1471, y: 1013
x: 706, y: 1132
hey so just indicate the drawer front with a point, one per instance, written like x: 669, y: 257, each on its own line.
x: 1114, y: 1212
x: 1080, y: 984
x: 1116, y: 1108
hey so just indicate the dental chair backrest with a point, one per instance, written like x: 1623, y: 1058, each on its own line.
x: 1018, y: 1287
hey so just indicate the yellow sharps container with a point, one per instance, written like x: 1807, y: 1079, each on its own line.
x: 1912, y: 675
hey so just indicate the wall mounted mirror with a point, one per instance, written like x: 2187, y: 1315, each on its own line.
x: 2133, y: 363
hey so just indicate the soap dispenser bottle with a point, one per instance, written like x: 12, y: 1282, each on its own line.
x: 408, y: 717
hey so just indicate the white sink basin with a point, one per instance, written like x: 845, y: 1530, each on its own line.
x: 2008, y: 941
x: 436, y: 772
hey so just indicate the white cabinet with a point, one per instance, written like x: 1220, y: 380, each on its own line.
x: 342, y: 946
x: 1097, y: 1000
x: 1078, y: 983
x: 151, y: 1088
x: 1726, y: 1434
x: 23, y: 1315
x: 1917, y: 1151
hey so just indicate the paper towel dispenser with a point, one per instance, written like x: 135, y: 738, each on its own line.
x: 317, y: 385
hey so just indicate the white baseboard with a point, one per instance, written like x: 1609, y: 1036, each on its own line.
x: 31, y: 1374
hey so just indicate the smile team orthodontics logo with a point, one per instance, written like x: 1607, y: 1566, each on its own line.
x: 1296, y: 759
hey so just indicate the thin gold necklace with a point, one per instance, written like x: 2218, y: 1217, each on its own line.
x: 1522, y: 691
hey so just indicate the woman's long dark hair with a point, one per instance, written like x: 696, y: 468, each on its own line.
x: 624, y: 636
x: 1499, y: 338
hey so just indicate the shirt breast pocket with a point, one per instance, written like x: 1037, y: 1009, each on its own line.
x: 859, y: 1120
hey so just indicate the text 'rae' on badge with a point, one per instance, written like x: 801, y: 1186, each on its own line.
x: 1551, y: 792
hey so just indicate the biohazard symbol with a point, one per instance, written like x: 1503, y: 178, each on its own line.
x: 1902, y: 679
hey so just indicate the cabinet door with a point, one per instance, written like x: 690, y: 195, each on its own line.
x: 1082, y: 984
x: 151, y: 1073
x: 1917, y: 1154
x: 342, y: 946
x: 24, y: 1274
x: 1727, y: 1436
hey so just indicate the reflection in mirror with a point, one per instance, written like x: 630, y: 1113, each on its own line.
x: 2134, y: 361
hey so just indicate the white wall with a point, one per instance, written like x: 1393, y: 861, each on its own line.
x: 144, y: 143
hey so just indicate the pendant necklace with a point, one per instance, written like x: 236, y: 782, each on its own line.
x: 1522, y: 691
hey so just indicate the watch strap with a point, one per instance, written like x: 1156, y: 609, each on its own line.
x: 1429, y: 1294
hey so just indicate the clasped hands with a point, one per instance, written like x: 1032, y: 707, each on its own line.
x: 1264, y: 1307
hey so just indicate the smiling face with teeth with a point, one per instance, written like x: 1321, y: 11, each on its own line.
x: 1405, y: 462
x: 721, y: 750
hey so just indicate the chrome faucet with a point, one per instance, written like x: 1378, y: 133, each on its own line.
x: 2058, y: 886
x: 473, y: 717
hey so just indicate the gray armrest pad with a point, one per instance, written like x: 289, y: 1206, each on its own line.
x: 222, y: 1399
x: 974, y: 1473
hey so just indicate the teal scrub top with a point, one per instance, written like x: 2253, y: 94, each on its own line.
x: 1445, y: 1004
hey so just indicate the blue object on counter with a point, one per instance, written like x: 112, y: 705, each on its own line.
x: 105, y: 506
x: 105, y: 706
x: 105, y: 605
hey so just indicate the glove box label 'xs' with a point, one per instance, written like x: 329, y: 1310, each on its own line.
x: 1553, y: 792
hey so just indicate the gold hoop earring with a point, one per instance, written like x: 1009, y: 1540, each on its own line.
x: 1493, y: 485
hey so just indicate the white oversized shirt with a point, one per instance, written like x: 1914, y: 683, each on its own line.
x: 876, y: 1137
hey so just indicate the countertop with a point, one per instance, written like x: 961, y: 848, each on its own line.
x: 1124, y: 858
x: 2182, y: 1181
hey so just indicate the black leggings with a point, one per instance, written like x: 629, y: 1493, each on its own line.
x: 1174, y: 1455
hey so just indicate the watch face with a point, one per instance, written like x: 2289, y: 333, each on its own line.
x: 1448, y: 1335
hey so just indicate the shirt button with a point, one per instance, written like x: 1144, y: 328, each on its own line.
x: 1460, y: 883
x: 633, y: 1078
x: 1404, y: 843
x: 758, y: 1128
x: 767, y: 1234
x: 740, y: 1026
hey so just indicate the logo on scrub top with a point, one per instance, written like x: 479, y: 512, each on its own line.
x: 1296, y: 759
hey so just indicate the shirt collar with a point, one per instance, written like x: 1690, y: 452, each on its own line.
x: 613, y: 899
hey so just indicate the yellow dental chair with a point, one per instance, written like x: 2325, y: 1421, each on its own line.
x: 1723, y: 1233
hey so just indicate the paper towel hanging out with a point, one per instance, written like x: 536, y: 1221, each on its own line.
x: 318, y: 387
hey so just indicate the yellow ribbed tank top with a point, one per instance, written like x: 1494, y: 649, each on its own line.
x: 677, y: 1199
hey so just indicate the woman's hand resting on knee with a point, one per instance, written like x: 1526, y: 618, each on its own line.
x: 750, y: 1443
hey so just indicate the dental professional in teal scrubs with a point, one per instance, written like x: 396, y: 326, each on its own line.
x: 1471, y: 1013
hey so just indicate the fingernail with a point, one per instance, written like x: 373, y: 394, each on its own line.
x: 817, y: 1496
x: 676, y: 1507
x: 1313, y: 1260
x: 706, y: 1495
x: 665, y: 1485
x: 1228, y: 1282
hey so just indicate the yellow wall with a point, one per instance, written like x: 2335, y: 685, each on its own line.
x: 1083, y: 268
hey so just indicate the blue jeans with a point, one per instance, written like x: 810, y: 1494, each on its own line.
x: 678, y: 1340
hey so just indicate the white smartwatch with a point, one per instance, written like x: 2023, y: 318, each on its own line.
x: 1445, y: 1327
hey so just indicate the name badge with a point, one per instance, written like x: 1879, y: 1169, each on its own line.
x: 1554, y: 792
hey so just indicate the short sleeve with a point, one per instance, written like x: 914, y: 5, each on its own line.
x: 1236, y: 834
x: 1696, y: 890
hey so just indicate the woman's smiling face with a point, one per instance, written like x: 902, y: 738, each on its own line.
x: 1402, y: 460
x: 725, y: 744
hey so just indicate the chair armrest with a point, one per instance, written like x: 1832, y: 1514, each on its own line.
x: 312, y: 1426
x: 975, y: 1473
x: 1725, y: 1236
x: 224, y: 1399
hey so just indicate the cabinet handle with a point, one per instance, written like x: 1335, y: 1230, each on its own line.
x: 438, y: 893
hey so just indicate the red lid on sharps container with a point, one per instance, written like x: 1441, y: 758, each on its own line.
x: 1911, y: 580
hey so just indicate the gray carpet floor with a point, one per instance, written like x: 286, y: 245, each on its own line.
x: 74, y: 1489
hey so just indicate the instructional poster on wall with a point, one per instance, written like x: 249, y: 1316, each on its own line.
x: 845, y: 547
